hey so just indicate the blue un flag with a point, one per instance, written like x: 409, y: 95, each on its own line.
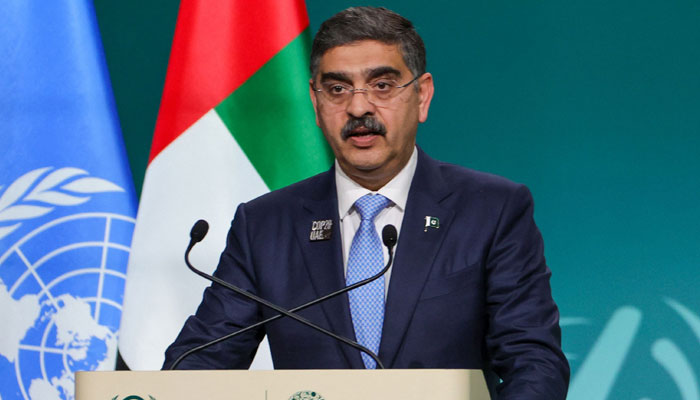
x: 67, y: 204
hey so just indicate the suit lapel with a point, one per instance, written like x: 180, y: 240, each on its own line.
x: 324, y: 261
x: 415, y: 254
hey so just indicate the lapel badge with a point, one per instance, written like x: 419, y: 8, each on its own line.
x: 431, y: 222
x: 321, y: 230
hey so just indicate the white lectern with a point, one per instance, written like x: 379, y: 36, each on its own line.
x: 413, y: 384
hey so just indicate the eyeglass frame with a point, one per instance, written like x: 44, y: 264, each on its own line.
x: 367, y: 90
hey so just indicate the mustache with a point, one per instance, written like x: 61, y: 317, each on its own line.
x: 367, y: 122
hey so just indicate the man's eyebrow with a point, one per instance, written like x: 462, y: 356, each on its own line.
x: 335, y: 76
x: 382, y: 71
x: 370, y: 73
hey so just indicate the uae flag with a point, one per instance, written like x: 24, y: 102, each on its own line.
x: 235, y: 122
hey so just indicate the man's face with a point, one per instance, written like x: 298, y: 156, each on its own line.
x: 372, y: 140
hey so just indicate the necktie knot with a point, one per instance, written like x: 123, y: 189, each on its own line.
x: 370, y: 205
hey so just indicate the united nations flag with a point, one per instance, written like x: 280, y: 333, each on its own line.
x: 67, y: 204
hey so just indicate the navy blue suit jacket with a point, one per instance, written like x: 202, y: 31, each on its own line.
x: 473, y: 293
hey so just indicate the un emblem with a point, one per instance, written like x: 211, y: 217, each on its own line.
x: 61, y: 281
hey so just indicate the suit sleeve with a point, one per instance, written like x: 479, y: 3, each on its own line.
x: 222, y: 312
x: 524, y: 338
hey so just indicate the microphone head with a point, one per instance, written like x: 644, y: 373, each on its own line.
x: 199, y: 231
x: 389, y: 235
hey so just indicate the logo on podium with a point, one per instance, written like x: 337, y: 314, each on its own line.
x: 306, y: 395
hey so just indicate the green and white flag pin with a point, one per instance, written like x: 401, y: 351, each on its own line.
x: 431, y: 222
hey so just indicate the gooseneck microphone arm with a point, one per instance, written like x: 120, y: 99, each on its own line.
x: 199, y: 230
x: 389, y: 236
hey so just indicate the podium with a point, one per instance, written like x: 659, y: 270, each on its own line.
x: 404, y: 384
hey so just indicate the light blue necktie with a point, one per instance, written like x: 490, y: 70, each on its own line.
x: 366, y: 259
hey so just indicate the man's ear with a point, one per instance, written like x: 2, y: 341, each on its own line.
x: 312, y: 94
x: 425, y: 95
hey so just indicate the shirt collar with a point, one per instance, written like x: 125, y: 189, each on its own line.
x: 395, y: 190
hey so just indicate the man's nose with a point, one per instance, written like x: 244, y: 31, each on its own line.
x: 359, y: 104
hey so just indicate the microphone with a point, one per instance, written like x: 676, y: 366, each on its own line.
x: 199, y: 230
x: 389, y: 236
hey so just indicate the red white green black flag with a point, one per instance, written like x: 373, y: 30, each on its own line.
x: 235, y: 121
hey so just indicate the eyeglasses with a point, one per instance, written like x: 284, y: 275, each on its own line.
x: 379, y: 92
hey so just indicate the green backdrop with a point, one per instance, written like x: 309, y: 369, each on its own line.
x: 595, y: 105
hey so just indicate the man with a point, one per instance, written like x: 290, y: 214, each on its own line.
x: 469, y: 287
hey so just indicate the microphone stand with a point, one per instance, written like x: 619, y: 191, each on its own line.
x: 198, y: 232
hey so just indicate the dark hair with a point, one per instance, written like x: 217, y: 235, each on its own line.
x: 369, y: 23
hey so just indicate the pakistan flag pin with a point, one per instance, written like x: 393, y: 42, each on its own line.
x: 431, y: 222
